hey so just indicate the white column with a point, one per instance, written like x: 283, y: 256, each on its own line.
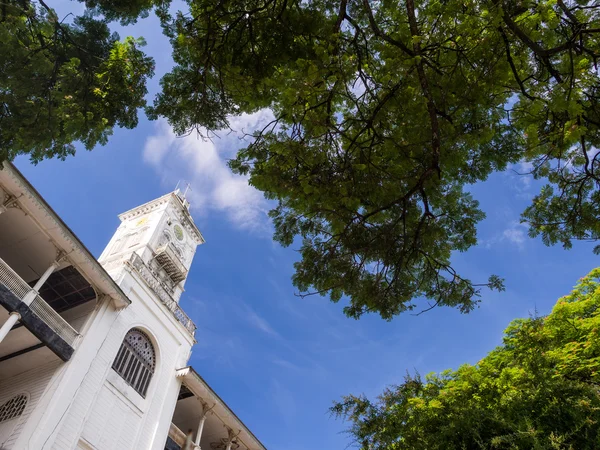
x: 31, y: 294
x: 200, y: 428
x: 6, y: 326
x: 46, y: 275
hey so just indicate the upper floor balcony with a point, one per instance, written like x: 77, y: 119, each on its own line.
x: 202, y: 420
x: 165, y: 297
x: 50, y: 284
x: 36, y: 314
x: 170, y: 260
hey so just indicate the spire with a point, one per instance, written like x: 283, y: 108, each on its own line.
x: 188, y: 187
x: 182, y: 197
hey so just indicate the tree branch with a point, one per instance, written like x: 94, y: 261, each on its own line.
x: 435, y: 128
x: 378, y: 32
x: 512, y: 64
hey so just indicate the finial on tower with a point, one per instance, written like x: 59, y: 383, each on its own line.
x: 188, y: 187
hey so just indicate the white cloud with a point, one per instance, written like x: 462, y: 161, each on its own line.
x: 515, y: 233
x: 521, y: 179
x: 258, y: 322
x: 246, y: 123
x: 286, y: 364
x: 284, y: 401
x: 203, y: 163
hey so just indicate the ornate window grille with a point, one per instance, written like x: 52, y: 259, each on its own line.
x: 13, y: 407
x: 136, y: 360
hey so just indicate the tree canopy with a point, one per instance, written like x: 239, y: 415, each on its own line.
x: 62, y: 83
x: 384, y: 113
x: 539, y: 390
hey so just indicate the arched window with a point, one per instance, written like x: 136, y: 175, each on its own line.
x: 136, y: 360
x: 164, y: 239
x: 13, y: 407
x: 10, y: 411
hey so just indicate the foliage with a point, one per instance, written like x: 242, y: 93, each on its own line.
x: 539, y: 390
x: 384, y: 113
x: 61, y: 83
x: 125, y: 11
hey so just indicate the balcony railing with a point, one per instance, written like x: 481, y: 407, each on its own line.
x: 177, y: 435
x: 170, y: 260
x: 43, y: 310
x: 179, y: 440
x: 140, y: 267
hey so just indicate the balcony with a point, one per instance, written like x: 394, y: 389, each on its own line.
x: 202, y: 417
x: 36, y: 314
x: 176, y: 439
x: 169, y: 259
x: 146, y: 274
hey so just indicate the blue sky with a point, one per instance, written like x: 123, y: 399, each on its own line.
x: 280, y: 361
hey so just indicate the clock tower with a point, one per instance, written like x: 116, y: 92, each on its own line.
x: 159, y: 239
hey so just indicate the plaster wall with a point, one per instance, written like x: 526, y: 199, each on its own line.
x: 33, y: 384
x: 95, y: 407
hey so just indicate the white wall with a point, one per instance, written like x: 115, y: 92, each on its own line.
x: 95, y: 405
x: 89, y: 405
x: 32, y: 383
x: 77, y: 317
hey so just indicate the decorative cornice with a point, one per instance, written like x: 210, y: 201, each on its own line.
x: 182, y: 214
x: 186, y: 220
x: 9, y: 202
x: 145, y: 208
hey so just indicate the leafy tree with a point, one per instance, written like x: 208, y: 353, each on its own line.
x: 64, y: 82
x: 539, y: 390
x: 384, y: 113
x: 125, y: 11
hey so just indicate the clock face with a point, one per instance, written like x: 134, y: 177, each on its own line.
x: 178, y: 232
x: 141, y: 222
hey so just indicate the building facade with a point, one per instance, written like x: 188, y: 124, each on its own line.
x: 94, y: 353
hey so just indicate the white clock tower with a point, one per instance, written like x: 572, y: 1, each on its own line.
x: 164, y: 237
x: 94, y: 354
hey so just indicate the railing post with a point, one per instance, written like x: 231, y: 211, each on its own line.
x: 6, y: 326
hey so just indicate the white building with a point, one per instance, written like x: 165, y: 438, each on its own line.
x: 94, y: 353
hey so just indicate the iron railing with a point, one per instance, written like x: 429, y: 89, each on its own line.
x: 43, y: 310
x: 146, y: 274
x: 12, y: 281
x: 168, y: 256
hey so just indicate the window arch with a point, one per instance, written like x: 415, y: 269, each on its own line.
x: 13, y: 407
x: 10, y: 413
x: 165, y: 238
x: 136, y: 360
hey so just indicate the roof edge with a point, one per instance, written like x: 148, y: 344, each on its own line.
x: 119, y: 303
x: 189, y: 370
